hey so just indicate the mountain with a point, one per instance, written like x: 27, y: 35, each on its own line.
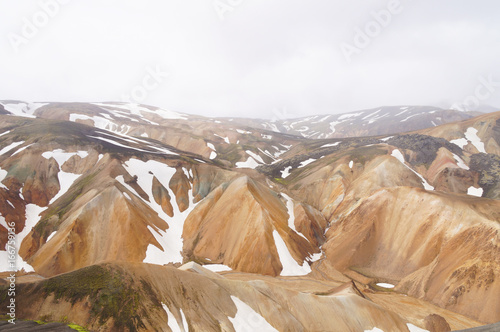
x: 129, y: 217
x: 372, y: 122
x: 481, y: 108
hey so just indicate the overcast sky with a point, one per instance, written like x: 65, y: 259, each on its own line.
x: 254, y: 58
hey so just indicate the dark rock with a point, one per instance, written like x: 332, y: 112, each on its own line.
x: 488, y: 167
x: 436, y: 323
x: 425, y: 146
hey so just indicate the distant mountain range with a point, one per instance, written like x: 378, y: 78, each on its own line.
x: 377, y: 121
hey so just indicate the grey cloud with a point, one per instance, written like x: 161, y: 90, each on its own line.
x: 262, y: 56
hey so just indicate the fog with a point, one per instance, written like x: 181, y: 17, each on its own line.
x: 252, y: 58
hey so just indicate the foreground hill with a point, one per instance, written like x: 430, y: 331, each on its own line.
x: 308, y: 231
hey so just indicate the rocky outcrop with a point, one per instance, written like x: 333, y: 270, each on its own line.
x: 311, y: 223
x: 436, y: 323
x: 425, y: 147
x: 488, y: 167
x: 3, y: 111
x: 34, y: 176
x: 162, y: 197
x: 12, y: 209
x: 180, y: 185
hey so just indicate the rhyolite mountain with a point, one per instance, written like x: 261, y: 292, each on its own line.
x: 131, y: 217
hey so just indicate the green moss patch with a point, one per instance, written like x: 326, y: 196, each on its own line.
x: 109, y: 291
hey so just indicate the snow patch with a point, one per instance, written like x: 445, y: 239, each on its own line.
x: 61, y: 157
x: 186, y: 173
x: 267, y: 153
x: 291, y: 214
x: 66, y: 180
x: 385, y: 285
x: 323, y: 119
x: 329, y: 145
x: 290, y: 266
x: 475, y: 191
x: 101, y: 123
x: 171, y: 321
x: 306, y: 162
x: 213, y: 154
x: 250, y: 163
x: 3, y: 175
x: 414, y: 328
x: 162, y: 150
x: 460, y: 162
x: 272, y: 126
x: 471, y: 135
x: 32, y: 217
x: 350, y: 115
x: 408, y: 118
x: 3, y: 222
x: 286, y: 172
x: 23, y: 109
x: 51, y: 236
x: 247, y: 319
x: 461, y: 142
x: 315, y: 257
x: 22, y: 149
x: 255, y: 156
x: 137, y: 110
x: 404, y: 111
x: 375, y: 329
x: 226, y: 139
x: 371, y: 114
x: 372, y: 120
x: 351, y: 163
x: 10, y: 147
x: 184, y: 321
x: 333, y: 124
x: 217, y: 267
